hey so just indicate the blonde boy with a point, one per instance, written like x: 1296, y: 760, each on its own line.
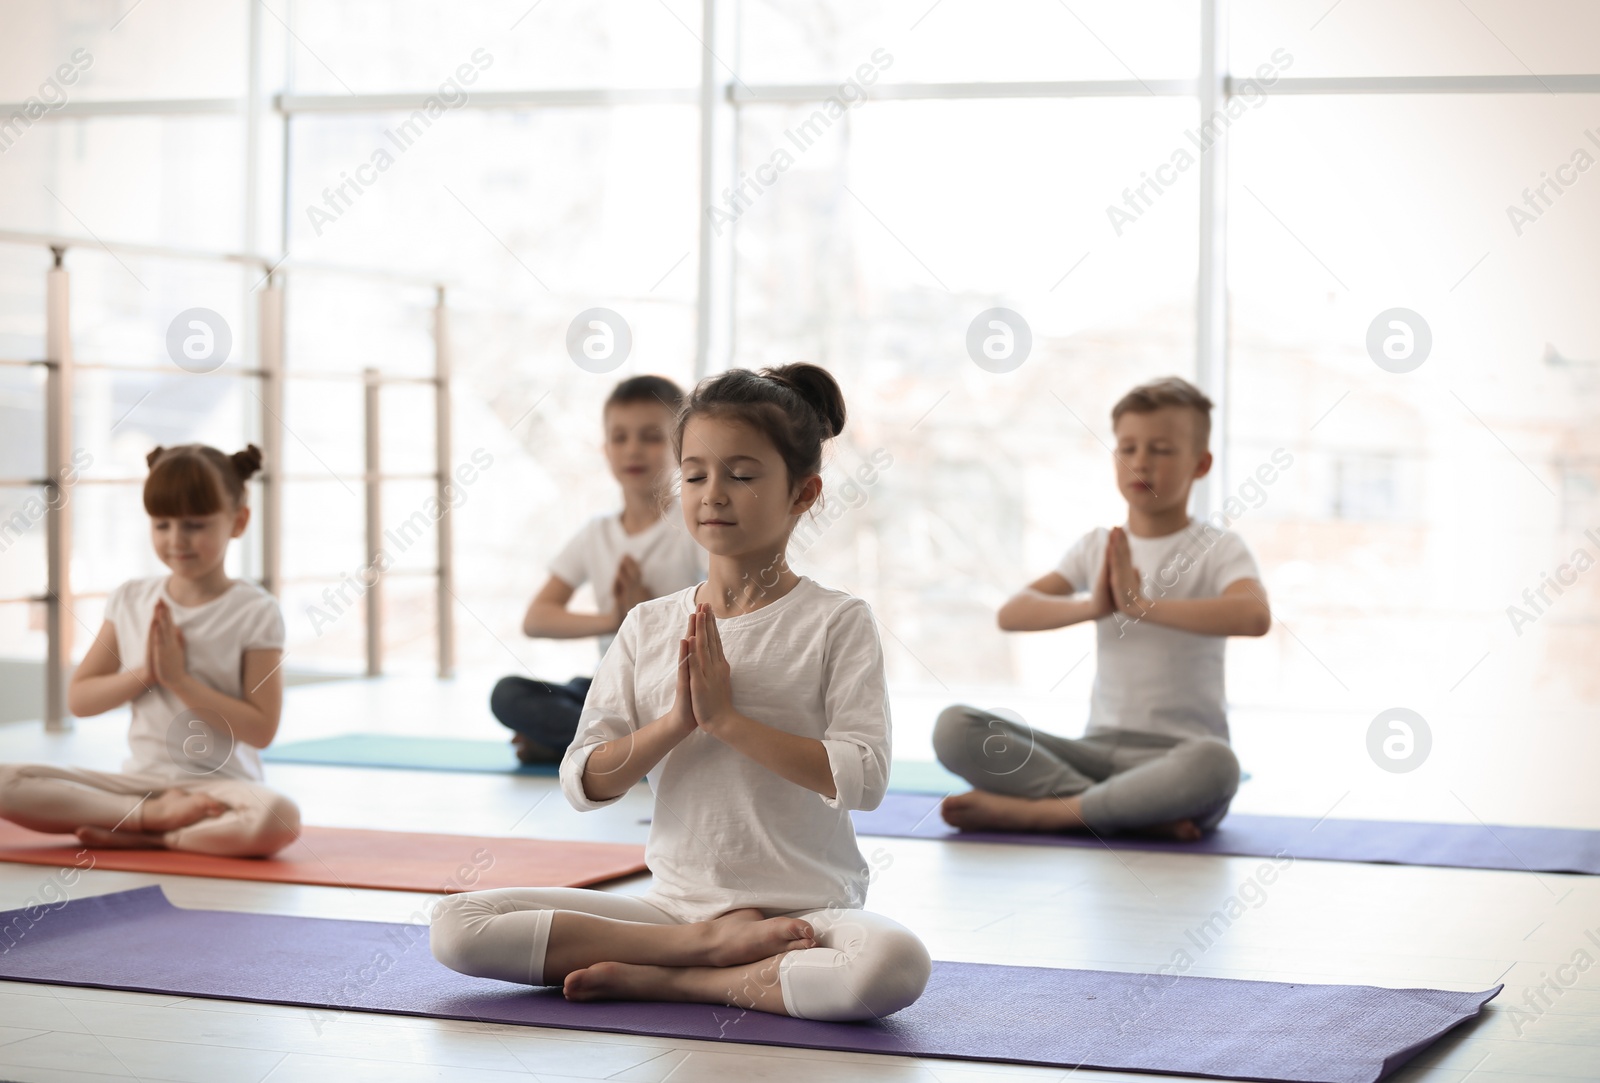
x: 1155, y: 757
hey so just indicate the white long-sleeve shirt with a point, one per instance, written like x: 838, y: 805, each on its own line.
x: 728, y: 832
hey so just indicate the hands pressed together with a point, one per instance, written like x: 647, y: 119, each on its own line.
x: 705, y: 680
x: 1120, y: 586
x: 703, y: 703
x: 1239, y: 609
x: 166, y: 652
x: 627, y: 588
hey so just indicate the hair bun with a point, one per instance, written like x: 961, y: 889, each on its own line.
x: 246, y: 462
x: 814, y: 384
x: 150, y: 459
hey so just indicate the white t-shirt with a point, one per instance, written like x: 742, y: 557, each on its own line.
x: 728, y: 832
x: 669, y: 558
x: 1151, y: 678
x: 216, y: 635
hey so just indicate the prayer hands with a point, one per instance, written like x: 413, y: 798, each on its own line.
x: 1100, y: 592
x: 683, y: 702
x: 710, y: 676
x: 1127, y: 592
x: 165, y: 649
x: 627, y: 589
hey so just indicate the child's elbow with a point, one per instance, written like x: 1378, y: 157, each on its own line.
x: 593, y: 793
x: 1260, y: 622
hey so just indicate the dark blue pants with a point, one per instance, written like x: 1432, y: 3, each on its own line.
x: 544, y: 713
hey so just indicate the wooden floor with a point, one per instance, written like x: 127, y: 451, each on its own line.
x: 1321, y: 922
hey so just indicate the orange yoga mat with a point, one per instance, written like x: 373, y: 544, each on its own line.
x: 347, y: 857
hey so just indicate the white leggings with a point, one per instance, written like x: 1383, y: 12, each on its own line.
x: 59, y: 800
x: 865, y: 967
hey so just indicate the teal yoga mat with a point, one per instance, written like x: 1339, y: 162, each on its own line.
x: 406, y: 753
x: 461, y: 754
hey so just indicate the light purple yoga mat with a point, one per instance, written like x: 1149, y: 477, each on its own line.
x: 1458, y: 846
x: 1028, y: 1015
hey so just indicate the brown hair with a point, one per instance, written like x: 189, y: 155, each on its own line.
x: 646, y: 389
x: 1168, y: 391
x: 797, y: 407
x: 193, y: 479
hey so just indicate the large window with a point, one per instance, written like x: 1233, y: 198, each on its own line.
x: 875, y: 252
x: 881, y: 177
x: 1422, y: 503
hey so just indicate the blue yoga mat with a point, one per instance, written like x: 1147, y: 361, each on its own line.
x: 1459, y: 846
x: 461, y: 754
x: 1169, y: 1023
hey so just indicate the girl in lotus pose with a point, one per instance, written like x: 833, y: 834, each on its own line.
x: 197, y: 654
x: 755, y: 705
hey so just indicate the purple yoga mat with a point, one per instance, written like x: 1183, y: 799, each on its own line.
x: 1457, y: 846
x: 972, y: 1011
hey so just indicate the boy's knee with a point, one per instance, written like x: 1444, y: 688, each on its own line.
x: 503, y: 696
x: 892, y: 972
x: 979, y: 746
x: 952, y: 734
x: 1215, y: 763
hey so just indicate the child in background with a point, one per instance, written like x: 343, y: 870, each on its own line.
x: 1156, y: 757
x: 756, y: 705
x: 198, y: 655
x: 629, y: 558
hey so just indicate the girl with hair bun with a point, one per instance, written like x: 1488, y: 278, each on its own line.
x: 755, y: 705
x: 198, y: 656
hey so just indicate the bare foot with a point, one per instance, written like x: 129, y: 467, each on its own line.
x: 172, y: 809
x: 744, y: 936
x: 981, y: 811
x: 620, y: 981
x: 102, y: 839
x: 978, y: 810
x: 1181, y: 830
x: 758, y: 984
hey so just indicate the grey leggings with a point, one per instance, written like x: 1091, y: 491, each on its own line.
x: 1125, y: 779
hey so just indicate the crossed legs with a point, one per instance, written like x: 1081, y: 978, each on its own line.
x: 226, y: 817
x: 1025, y: 780
x: 819, y: 964
x: 543, y: 717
